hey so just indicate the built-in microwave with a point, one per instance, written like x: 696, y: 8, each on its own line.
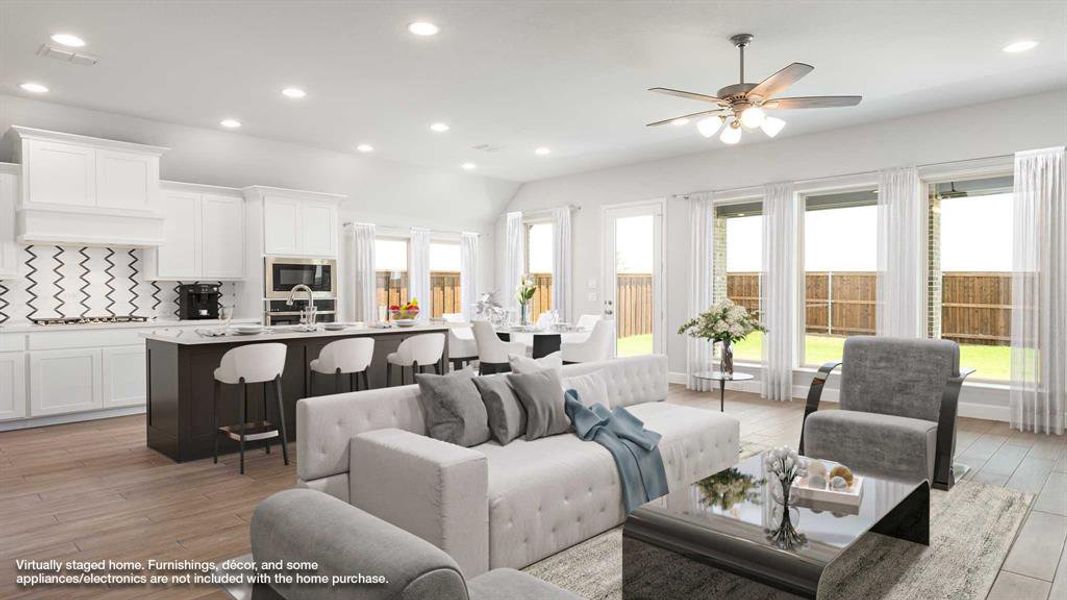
x: 281, y: 274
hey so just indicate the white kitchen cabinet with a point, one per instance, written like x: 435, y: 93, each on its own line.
x: 59, y: 173
x: 281, y: 226
x: 64, y: 381
x: 204, y: 235
x: 123, y: 376
x: 12, y: 385
x: 9, y: 248
x: 127, y: 180
x: 318, y: 229
x: 294, y: 226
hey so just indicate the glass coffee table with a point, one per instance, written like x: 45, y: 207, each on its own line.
x: 725, y: 521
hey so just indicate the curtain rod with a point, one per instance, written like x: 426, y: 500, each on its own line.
x: 384, y: 226
x: 817, y: 180
x: 574, y: 207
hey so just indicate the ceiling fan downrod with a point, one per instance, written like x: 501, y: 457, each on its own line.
x: 742, y: 40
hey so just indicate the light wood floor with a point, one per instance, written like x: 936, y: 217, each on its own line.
x: 93, y: 490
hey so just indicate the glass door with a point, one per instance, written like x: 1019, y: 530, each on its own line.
x: 633, y: 265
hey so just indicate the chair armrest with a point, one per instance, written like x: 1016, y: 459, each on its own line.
x: 946, y: 431
x: 815, y: 394
x: 433, y: 489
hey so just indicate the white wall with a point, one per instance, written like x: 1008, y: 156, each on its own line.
x: 997, y: 128
x: 379, y: 191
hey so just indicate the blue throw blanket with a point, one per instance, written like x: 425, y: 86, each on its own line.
x: 633, y: 447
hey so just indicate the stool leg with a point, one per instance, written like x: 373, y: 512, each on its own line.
x: 281, y: 418
x: 215, y: 418
x: 437, y: 368
x: 266, y: 442
x: 388, y: 374
x: 366, y: 382
x: 352, y: 382
x: 337, y: 381
x: 244, y: 413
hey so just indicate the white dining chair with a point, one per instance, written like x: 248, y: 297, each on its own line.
x: 546, y: 321
x: 462, y: 348
x: 240, y: 366
x: 594, y: 348
x: 416, y: 352
x: 350, y: 357
x: 492, y: 351
x: 586, y: 322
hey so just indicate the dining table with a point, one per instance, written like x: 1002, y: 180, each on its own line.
x: 541, y: 341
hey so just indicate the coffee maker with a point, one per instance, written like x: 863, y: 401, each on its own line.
x: 198, y: 301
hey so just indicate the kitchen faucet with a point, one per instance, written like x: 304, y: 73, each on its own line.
x: 310, y: 311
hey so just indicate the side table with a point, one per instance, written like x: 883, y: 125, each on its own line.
x: 722, y: 378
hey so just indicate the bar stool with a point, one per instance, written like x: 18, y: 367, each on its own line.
x: 462, y: 349
x: 350, y: 356
x: 253, y: 363
x: 416, y: 352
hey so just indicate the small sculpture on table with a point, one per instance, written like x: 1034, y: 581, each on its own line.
x: 784, y: 465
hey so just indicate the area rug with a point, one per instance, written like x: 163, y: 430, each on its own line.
x: 971, y: 529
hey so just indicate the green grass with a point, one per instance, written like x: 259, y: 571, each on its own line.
x: 634, y: 345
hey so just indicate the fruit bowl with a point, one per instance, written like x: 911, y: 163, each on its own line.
x: 404, y: 322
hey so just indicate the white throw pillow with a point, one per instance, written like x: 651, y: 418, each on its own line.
x: 592, y: 388
x: 522, y: 364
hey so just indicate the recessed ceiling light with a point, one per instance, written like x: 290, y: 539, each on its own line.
x: 35, y: 88
x: 68, y: 39
x: 423, y: 28
x: 680, y: 122
x: 543, y: 151
x: 365, y: 148
x: 230, y: 123
x: 294, y: 93
x: 440, y: 127
x: 1020, y: 46
x: 469, y: 166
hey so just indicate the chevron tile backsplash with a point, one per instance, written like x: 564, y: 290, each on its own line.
x: 66, y: 281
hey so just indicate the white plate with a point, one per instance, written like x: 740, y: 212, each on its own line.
x: 249, y: 329
x: 335, y: 326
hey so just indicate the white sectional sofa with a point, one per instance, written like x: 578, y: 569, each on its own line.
x: 493, y: 506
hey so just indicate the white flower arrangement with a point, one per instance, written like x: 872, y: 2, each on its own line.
x: 722, y: 322
x: 525, y: 290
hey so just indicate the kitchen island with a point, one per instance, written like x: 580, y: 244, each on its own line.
x: 180, y: 382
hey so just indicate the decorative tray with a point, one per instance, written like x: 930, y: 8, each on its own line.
x: 849, y: 496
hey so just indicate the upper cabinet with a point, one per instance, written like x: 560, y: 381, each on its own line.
x: 82, y: 190
x: 204, y: 234
x: 9, y: 249
x: 296, y: 223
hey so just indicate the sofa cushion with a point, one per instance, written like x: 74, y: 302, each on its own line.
x: 541, y: 395
x: 453, y: 408
x: 872, y: 443
x: 550, y: 493
x: 507, y: 419
x: 523, y: 364
x: 591, y: 387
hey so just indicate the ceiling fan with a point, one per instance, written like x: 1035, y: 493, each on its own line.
x: 745, y: 105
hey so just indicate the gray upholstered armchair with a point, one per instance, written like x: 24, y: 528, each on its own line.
x: 898, y: 402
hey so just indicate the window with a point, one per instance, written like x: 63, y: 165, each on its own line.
x: 539, y: 255
x: 444, y: 278
x: 970, y: 250
x: 738, y: 256
x: 391, y: 267
x: 840, y: 264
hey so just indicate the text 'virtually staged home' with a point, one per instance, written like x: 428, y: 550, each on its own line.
x: 531, y: 299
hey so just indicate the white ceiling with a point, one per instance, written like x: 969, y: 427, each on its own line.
x: 518, y: 75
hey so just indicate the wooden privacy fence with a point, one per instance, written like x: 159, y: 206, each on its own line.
x: 633, y: 304
x: 444, y: 291
x: 542, y: 298
x: 975, y: 306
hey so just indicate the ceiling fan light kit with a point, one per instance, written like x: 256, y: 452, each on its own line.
x: 745, y: 105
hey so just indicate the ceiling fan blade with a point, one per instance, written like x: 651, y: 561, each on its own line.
x: 812, y: 102
x: 781, y: 80
x: 715, y: 111
x: 689, y: 95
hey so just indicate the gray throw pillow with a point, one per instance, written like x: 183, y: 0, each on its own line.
x: 541, y: 395
x: 507, y: 419
x: 453, y: 408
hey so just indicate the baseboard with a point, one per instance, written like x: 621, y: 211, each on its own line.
x: 70, y: 418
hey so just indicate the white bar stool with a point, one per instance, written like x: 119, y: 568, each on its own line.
x: 462, y: 349
x: 350, y: 356
x: 416, y: 352
x: 254, y: 363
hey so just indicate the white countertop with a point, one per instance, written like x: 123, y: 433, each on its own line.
x: 285, y: 332
x: 24, y: 327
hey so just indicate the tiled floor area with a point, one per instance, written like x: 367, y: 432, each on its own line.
x: 93, y: 490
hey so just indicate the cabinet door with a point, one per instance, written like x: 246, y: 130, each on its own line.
x: 126, y: 181
x: 9, y: 250
x: 281, y: 226
x: 12, y: 385
x: 123, y: 376
x: 223, y: 237
x: 58, y: 173
x: 179, y: 256
x: 319, y: 230
x: 63, y: 381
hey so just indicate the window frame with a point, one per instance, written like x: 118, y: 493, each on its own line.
x: 745, y: 197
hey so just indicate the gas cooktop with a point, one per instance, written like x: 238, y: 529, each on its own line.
x: 89, y: 320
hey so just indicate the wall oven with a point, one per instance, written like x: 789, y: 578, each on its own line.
x: 281, y: 274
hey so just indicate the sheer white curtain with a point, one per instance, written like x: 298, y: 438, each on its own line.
x: 698, y: 352
x: 514, y: 262
x: 779, y: 292
x: 359, y: 282
x: 561, y: 261
x: 901, y: 289
x: 468, y: 273
x: 1039, y: 292
x: 419, y: 271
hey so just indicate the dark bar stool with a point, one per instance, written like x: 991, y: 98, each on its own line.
x: 254, y: 363
x: 349, y: 357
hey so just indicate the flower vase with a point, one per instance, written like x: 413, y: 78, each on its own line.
x: 726, y: 359
x: 785, y: 534
x: 524, y: 314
